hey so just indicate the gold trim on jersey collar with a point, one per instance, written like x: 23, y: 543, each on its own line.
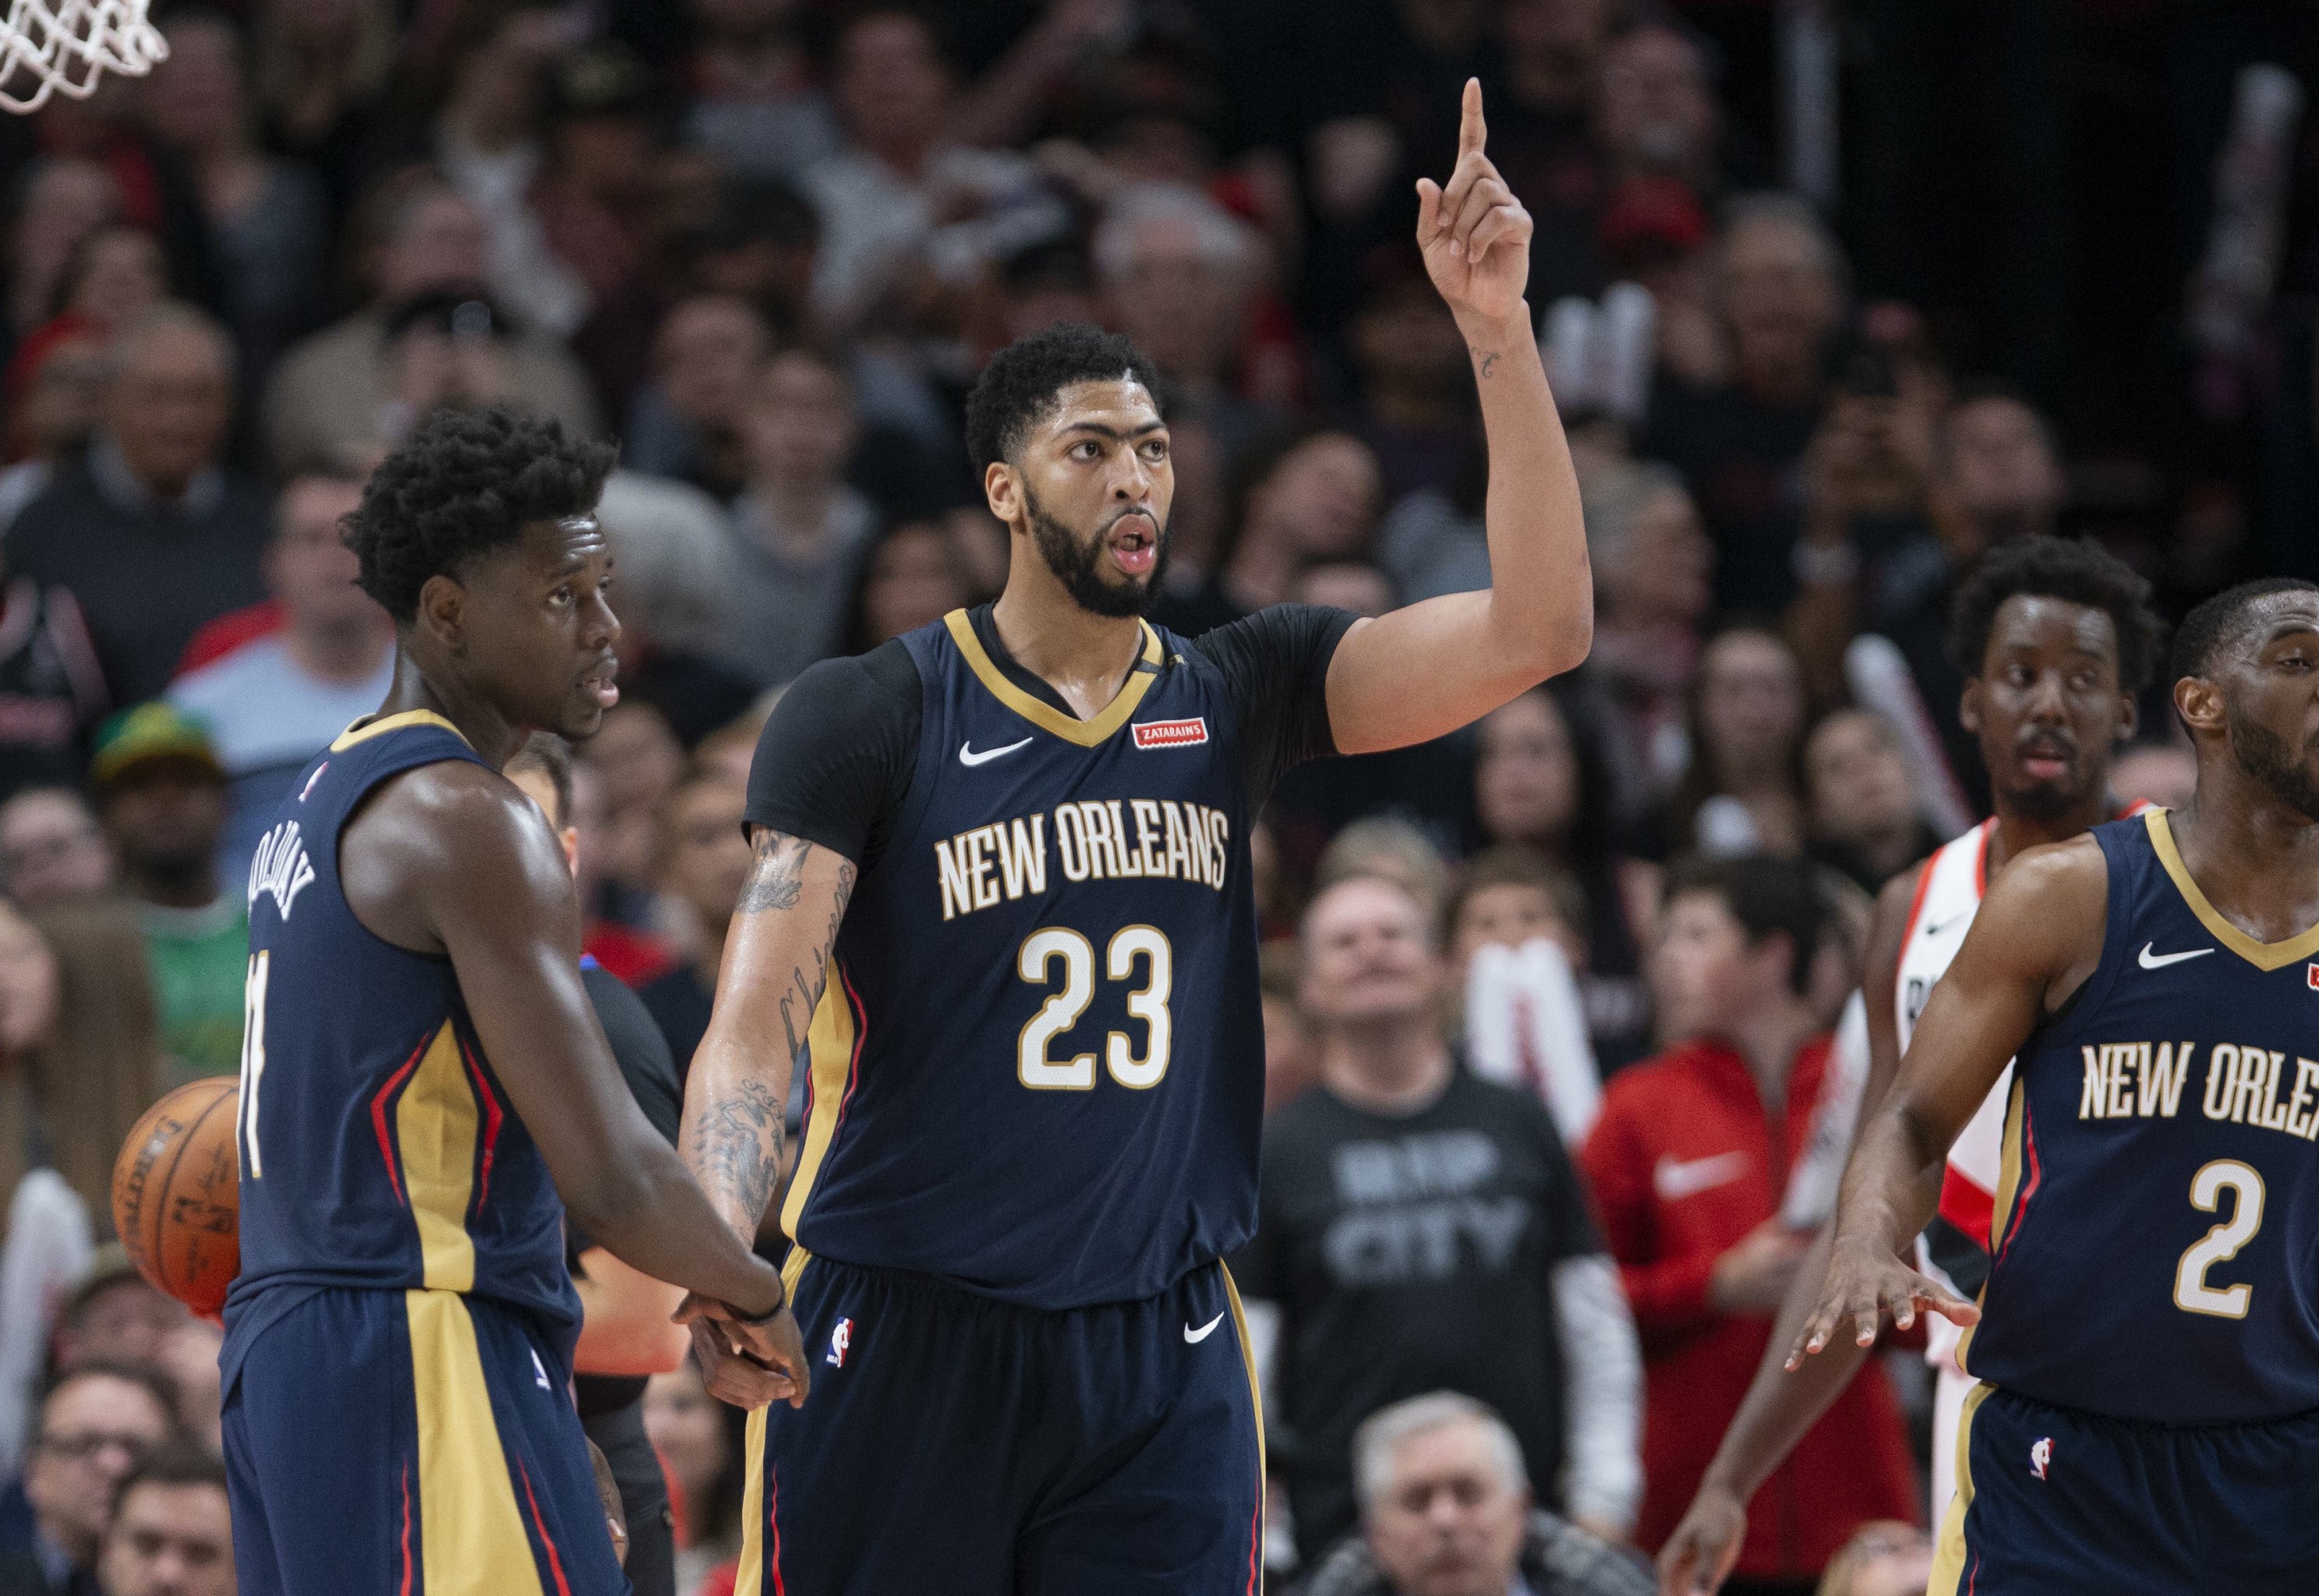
x: 1086, y: 733
x: 369, y: 726
x: 2260, y: 954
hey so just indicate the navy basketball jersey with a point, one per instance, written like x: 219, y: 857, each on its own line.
x: 2155, y: 1248
x: 377, y: 1148
x: 1037, y: 1071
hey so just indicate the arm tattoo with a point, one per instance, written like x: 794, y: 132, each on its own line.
x: 1488, y: 357
x: 778, y: 874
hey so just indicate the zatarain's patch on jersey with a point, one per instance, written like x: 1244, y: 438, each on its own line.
x: 1171, y: 734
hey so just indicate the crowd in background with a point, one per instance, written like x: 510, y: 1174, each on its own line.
x: 1835, y: 299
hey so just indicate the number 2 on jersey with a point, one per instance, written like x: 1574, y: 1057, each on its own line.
x: 2192, y: 1295
x: 1063, y: 1008
x: 253, y: 1059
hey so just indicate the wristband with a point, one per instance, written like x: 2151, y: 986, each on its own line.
x: 770, y: 1314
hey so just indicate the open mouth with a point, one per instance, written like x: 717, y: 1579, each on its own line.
x: 1134, y: 544
x: 2045, y: 758
x: 598, y: 685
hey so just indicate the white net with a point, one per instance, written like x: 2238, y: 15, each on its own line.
x: 64, y: 46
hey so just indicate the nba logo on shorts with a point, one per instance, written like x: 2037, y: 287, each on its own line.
x: 2041, y: 1453
x: 840, y: 1340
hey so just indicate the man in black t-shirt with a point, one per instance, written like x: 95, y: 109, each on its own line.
x: 1001, y: 901
x: 1420, y: 1229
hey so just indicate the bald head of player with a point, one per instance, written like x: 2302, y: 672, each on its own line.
x: 1066, y: 432
x: 479, y: 535
x: 2246, y: 667
x: 2055, y: 636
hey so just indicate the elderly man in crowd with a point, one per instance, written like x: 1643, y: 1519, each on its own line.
x: 1418, y: 1228
x: 1447, y: 1511
x: 150, y: 535
x: 171, y: 1534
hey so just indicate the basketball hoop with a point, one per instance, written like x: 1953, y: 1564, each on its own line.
x: 68, y: 44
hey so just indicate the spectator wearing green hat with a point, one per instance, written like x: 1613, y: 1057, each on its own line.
x: 162, y: 796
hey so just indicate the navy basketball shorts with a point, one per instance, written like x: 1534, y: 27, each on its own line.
x: 423, y: 1443
x: 2053, y: 1501
x: 955, y: 1444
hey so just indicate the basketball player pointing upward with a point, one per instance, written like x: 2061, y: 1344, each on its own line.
x: 2148, y: 1337
x: 420, y: 1057
x: 1001, y: 899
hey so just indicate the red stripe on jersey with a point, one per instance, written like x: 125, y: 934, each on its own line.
x: 1981, y: 859
x: 554, y: 1562
x: 2037, y: 1174
x: 492, y: 1118
x: 378, y: 1122
x: 1966, y: 1206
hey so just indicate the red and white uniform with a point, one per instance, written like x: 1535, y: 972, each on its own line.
x: 1954, y: 1249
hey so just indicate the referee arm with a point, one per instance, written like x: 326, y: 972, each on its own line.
x: 1427, y: 669
x: 776, y: 963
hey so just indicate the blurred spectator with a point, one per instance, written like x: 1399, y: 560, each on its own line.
x: 51, y: 687
x: 1744, y: 792
x: 94, y: 1058
x: 1389, y: 846
x: 274, y: 703
x: 268, y: 218
x: 692, y: 420
x: 1292, y: 1061
x: 755, y: 106
x: 1540, y: 140
x: 632, y: 764
x: 1421, y: 1228
x: 800, y: 528
x: 1887, y: 1558
x: 190, y: 1359
x: 2162, y: 774
x: 148, y: 531
x: 1652, y: 586
x: 171, y: 1533
x: 96, y: 1425
x: 704, y: 862
x: 61, y: 201
x: 114, y: 275
x: 1654, y: 114
x: 319, y: 68
x: 52, y: 847
x: 331, y: 400
x: 1176, y: 271
x: 55, y: 393
x: 1542, y: 784
x: 1414, y: 407
x: 701, y: 1453
x: 1344, y: 584
x: 1780, y: 287
x: 902, y: 207
x: 760, y: 244
x: 670, y: 541
x: 1999, y: 462
x: 1447, y: 1509
x: 116, y: 1316
x: 633, y: 954
x: 1686, y: 1164
x: 1297, y: 497
x: 1507, y: 896
x: 163, y: 797
x: 911, y: 576
x: 1861, y: 799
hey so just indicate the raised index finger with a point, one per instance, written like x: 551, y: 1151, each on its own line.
x: 1472, y: 131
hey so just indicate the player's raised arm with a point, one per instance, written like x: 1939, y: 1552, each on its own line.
x: 490, y: 880
x: 1433, y: 667
x: 2037, y: 937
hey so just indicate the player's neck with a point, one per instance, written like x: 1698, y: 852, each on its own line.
x: 1389, y: 1067
x: 489, y: 732
x: 2253, y: 856
x: 1084, y: 656
x: 2016, y: 831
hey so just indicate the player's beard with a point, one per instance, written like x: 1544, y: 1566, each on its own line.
x: 1076, y: 563
x: 2266, y: 756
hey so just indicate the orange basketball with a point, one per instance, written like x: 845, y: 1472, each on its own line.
x: 177, y: 1193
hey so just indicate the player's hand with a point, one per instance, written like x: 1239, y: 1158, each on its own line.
x: 1865, y: 1283
x: 1476, y: 235
x: 1698, y: 1556
x: 748, y: 1364
x: 607, y: 1494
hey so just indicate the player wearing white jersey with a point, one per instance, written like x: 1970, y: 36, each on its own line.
x: 2055, y: 639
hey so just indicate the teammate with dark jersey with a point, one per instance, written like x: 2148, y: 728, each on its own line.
x: 2054, y: 638
x: 2147, y: 1341
x: 419, y: 1060
x: 1000, y: 902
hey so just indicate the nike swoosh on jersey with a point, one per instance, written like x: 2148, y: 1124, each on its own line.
x: 2162, y: 960
x: 1937, y: 927
x: 968, y: 757
x: 1676, y: 1179
x: 1201, y: 1334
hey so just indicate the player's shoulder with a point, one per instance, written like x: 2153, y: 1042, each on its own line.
x: 456, y: 817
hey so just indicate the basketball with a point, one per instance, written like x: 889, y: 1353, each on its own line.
x: 177, y: 1193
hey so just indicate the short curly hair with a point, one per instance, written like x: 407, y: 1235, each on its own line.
x: 464, y: 483
x: 1019, y: 387
x: 2205, y: 629
x: 2076, y: 571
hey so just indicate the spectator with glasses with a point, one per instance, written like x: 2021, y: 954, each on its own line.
x: 96, y: 1425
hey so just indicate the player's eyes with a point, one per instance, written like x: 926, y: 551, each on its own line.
x: 1085, y: 451
x: 1155, y: 451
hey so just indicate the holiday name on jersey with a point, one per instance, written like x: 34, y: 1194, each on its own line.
x: 1095, y: 839
x: 2245, y: 1085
